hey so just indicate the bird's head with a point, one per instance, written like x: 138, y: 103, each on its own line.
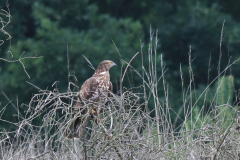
x: 105, y: 66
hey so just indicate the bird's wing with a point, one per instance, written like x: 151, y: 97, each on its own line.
x: 110, y: 89
x: 87, y: 91
x: 89, y: 88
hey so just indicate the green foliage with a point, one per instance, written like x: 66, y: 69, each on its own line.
x: 225, y: 90
x: 196, y: 26
x: 51, y: 42
x: 221, y: 96
x: 224, y: 100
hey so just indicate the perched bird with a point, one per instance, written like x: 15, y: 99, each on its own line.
x: 94, y: 92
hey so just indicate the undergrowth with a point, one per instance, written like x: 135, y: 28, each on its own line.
x: 208, y: 130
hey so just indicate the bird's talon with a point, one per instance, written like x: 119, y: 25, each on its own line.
x: 93, y: 112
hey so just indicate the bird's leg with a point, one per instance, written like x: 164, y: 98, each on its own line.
x: 95, y: 116
x: 98, y: 113
x: 92, y: 112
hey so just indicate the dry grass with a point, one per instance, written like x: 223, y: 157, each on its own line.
x: 127, y: 131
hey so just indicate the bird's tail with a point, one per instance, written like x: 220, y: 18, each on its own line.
x: 77, y: 128
x: 80, y: 127
x: 69, y: 130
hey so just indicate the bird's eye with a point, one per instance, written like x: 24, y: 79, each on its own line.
x: 109, y: 62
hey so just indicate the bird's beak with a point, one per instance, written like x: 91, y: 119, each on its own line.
x: 114, y: 64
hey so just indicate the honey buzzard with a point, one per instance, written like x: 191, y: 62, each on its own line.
x: 92, y: 94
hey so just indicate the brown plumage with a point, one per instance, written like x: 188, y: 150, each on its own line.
x: 92, y: 93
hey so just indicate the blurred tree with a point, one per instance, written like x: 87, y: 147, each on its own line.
x: 197, y: 26
x: 181, y: 25
x: 231, y: 7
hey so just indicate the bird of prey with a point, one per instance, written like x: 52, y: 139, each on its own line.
x: 94, y: 92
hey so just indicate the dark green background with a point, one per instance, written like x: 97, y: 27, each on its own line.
x: 54, y: 28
